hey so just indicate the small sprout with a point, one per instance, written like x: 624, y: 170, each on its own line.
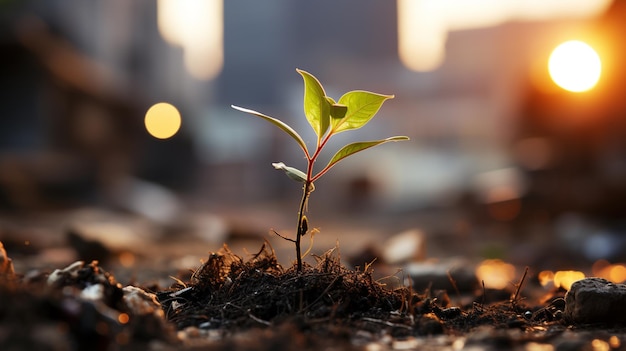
x: 291, y: 172
x: 327, y: 117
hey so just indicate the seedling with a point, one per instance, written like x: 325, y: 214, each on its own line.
x: 327, y: 118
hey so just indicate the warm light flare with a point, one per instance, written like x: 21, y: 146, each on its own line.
x: 495, y: 274
x: 575, y: 66
x: 614, y: 342
x: 560, y: 279
x: 615, y: 273
x: 127, y: 259
x: 565, y: 279
x: 123, y: 318
x: 162, y: 120
x: 600, y: 345
x: 535, y: 346
x: 545, y: 277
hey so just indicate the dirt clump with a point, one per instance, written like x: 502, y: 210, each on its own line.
x: 229, y: 293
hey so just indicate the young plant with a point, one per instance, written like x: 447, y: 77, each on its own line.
x: 327, y: 117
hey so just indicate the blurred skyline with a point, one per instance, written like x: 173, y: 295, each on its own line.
x: 80, y: 75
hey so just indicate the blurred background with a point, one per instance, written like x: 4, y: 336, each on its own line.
x: 514, y: 153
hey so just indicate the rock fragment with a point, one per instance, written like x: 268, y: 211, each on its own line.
x: 67, y: 273
x: 595, y: 300
x: 450, y: 276
x: 141, y: 302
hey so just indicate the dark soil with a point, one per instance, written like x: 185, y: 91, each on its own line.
x: 256, y: 304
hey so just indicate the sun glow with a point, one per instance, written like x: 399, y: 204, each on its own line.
x: 423, y: 25
x: 575, y: 66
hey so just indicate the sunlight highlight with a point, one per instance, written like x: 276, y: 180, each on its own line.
x: 575, y: 66
x: 421, y: 52
x: 162, y: 120
x: 198, y: 27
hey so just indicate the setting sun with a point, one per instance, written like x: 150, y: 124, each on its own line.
x: 575, y: 66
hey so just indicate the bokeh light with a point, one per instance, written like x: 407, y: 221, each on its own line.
x: 600, y: 345
x: 615, y: 273
x: 565, y: 279
x: 560, y: 279
x: 123, y: 318
x: 614, y: 342
x: 575, y: 66
x: 495, y: 274
x: 545, y: 277
x: 162, y: 120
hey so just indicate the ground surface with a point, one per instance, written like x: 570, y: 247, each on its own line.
x: 253, y: 301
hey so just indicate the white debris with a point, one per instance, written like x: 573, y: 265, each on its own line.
x: 141, y: 302
x: 93, y: 292
x: 69, y: 271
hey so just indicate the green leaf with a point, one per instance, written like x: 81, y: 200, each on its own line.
x: 361, y: 107
x: 280, y: 124
x: 291, y: 172
x: 353, y: 148
x: 316, y: 107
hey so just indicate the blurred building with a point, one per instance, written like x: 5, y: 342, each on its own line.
x: 78, y: 76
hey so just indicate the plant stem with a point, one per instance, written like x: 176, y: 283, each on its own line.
x: 306, y: 191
